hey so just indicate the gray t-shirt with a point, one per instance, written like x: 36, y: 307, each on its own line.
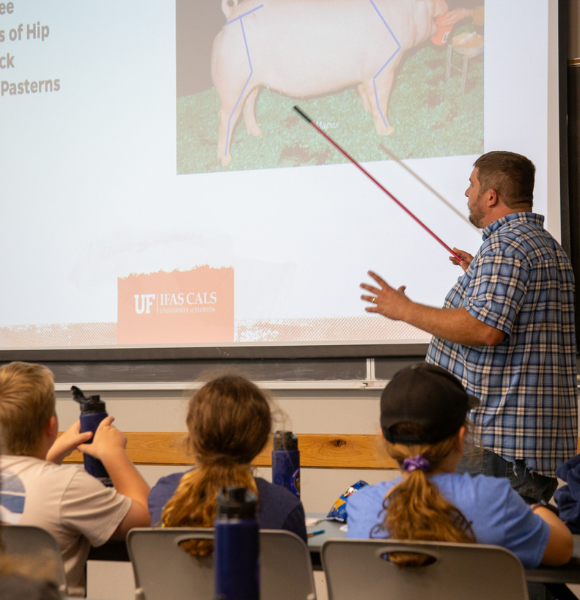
x: 77, y: 509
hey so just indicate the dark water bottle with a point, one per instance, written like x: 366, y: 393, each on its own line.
x: 286, y: 461
x: 236, y: 545
x: 93, y: 411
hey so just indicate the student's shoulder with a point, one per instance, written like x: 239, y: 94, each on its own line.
x: 36, y: 470
x: 482, y: 489
x: 269, y: 492
x: 166, y: 486
x: 169, y: 480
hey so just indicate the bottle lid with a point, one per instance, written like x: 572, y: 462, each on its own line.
x: 285, y: 440
x: 92, y: 404
x: 236, y: 503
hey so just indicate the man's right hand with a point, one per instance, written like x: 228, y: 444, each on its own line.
x: 467, y: 258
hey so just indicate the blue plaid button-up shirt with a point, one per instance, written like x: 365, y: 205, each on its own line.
x: 520, y: 282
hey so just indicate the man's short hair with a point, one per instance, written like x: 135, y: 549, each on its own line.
x: 27, y: 403
x: 511, y: 175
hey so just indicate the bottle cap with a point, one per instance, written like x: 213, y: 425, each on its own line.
x: 285, y: 440
x: 236, y: 503
x: 92, y: 404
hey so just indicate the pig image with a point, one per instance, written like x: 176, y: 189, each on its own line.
x: 306, y: 48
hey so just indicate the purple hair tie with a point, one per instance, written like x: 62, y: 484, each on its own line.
x: 417, y: 462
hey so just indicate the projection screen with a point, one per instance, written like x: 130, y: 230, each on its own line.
x: 158, y: 189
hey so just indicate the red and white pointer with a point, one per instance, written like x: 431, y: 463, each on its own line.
x: 356, y: 164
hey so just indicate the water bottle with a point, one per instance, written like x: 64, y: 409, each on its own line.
x: 93, y: 411
x: 236, y: 545
x: 286, y: 461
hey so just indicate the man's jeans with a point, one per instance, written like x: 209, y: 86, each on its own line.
x: 531, y: 486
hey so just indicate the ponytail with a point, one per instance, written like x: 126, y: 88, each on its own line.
x: 415, y: 509
x: 193, y: 504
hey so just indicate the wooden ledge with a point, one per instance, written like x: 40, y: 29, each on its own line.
x: 326, y: 451
x: 316, y: 450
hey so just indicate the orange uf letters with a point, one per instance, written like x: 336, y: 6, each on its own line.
x: 182, y: 307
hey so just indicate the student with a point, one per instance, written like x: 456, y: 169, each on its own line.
x: 229, y: 423
x: 63, y: 499
x: 423, y: 417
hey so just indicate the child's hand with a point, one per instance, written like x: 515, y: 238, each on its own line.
x: 108, y: 440
x: 68, y: 442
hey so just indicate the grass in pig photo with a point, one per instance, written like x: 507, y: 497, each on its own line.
x: 426, y: 115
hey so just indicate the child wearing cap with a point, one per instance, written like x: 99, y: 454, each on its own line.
x: 423, y: 420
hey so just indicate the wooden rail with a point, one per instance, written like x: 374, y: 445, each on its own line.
x: 316, y: 450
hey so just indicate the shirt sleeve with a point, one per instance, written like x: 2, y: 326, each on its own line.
x: 526, y: 534
x: 497, y: 290
x: 90, y: 508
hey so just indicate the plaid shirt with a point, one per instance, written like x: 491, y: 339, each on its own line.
x: 521, y: 283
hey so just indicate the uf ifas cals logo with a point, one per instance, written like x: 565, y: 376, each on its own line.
x: 180, y: 307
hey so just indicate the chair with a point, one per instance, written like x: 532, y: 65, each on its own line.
x: 24, y: 541
x: 163, y: 570
x: 361, y: 569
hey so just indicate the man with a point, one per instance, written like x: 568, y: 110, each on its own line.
x: 63, y: 499
x: 506, y: 330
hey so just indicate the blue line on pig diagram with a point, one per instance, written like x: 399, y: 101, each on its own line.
x: 240, y: 18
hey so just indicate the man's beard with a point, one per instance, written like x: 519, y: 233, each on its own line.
x: 476, y: 214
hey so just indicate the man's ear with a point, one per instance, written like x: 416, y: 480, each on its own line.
x: 492, y: 197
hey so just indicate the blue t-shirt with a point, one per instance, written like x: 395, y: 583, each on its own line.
x: 277, y: 509
x: 497, y: 514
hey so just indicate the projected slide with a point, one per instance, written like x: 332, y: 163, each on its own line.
x: 343, y: 58
x: 158, y: 188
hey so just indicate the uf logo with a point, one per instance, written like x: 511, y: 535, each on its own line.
x: 144, y: 305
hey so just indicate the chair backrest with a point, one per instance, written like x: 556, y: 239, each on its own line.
x: 361, y: 569
x: 35, y: 543
x: 163, y: 570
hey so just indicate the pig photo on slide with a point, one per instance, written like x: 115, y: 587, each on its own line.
x: 336, y: 59
x: 305, y: 48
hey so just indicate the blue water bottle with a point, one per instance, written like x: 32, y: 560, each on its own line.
x: 286, y: 461
x: 236, y: 545
x: 93, y: 411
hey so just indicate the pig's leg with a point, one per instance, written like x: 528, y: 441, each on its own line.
x: 363, y: 96
x: 252, y: 126
x: 383, y: 84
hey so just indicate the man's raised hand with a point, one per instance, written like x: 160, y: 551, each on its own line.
x: 386, y: 300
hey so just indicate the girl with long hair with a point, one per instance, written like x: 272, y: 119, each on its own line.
x: 229, y: 423
x: 423, y: 420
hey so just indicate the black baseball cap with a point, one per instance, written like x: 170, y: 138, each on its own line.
x: 425, y: 395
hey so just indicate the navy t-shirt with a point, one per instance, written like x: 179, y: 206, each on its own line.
x: 277, y: 509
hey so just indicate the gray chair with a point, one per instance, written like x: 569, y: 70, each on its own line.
x: 361, y: 569
x: 163, y: 570
x: 27, y: 541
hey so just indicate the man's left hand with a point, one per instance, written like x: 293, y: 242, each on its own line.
x: 387, y: 301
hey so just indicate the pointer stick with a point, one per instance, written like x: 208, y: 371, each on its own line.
x: 353, y: 161
x: 422, y: 181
